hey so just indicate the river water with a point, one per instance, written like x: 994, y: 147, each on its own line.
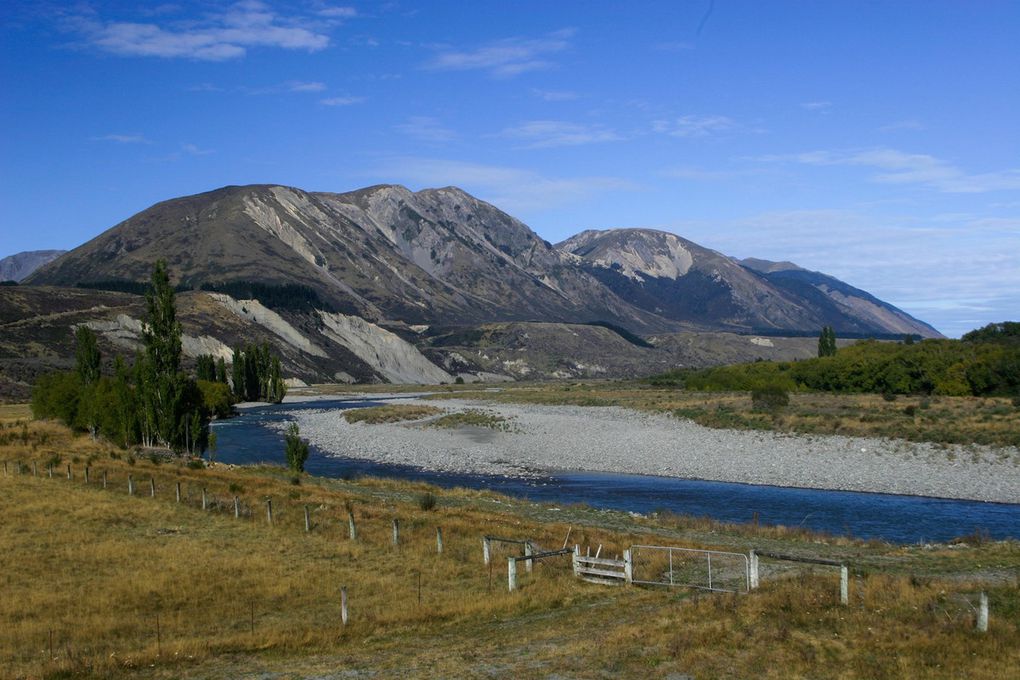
x: 249, y: 438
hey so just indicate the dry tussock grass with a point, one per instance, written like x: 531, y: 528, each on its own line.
x: 94, y: 568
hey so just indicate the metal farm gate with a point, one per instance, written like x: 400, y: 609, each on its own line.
x: 716, y: 570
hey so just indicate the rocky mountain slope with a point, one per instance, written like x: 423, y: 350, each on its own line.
x: 442, y: 257
x: 18, y: 266
x: 680, y: 280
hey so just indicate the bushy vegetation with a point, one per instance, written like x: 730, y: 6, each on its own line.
x: 257, y: 375
x: 770, y: 398
x: 984, y: 363
x: 296, y: 449
x: 152, y: 402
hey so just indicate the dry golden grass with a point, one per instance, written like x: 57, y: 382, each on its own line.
x: 93, y: 568
x: 390, y: 414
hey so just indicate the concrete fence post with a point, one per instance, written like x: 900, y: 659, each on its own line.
x: 351, y: 527
x: 237, y: 507
x: 486, y: 550
x: 753, y: 567
x: 982, y: 617
x: 343, y: 605
x: 269, y: 510
x: 439, y: 540
x: 511, y: 573
x: 131, y: 486
x: 844, y: 585
x: 308, y: 521
x: 178, y: 492
x: 527, y: 553
x: 396, y: 531
x: 628, y: 566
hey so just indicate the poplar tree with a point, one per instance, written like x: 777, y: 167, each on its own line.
x: 827, y: 342
x: 161, y: 385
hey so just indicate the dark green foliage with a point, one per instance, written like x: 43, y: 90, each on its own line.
x: 292, y: 297
x: 296, y: 449
x: 770, y: 398
x: 827, y: 342
x: 1005, y: 331
x: 86, y: 355
x: 257, y: 374
x: 623, y: 333
x: 459, y: 380
x: 161, y: 384
x: 948, y: 367
x: 55, y: 396
x: 221, y: 371
x: 216, y: 398
x: 205, y: 368
x: 427, y: 501
x: 116, y: 285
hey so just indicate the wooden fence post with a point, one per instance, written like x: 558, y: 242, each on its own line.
x: 86, y: 474
x: 205, y: 500
x: 49, y: 470
x: 5, y: 468
x: 69, y: 471
x: 178, y: 492
x: 574, y: 559
x: 628, y: 566
x: 439, y: 540
x: 35, y: 469
x: 237, y: 508
x: 131, y: 486
x: 982, y: 618
x: 308, y: 521
x: 269, y: 510
x: 511, y: 573
x: 396, y: 531
x: 104, y: 479
x: 352, y: 528
x: 343, y: 604
x: 527, y: 553
x: 753, y: 568
x: 152, y: 487
x: 486, y: 549
x: 844, y: 585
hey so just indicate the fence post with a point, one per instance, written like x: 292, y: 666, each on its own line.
x: 152, y: 487
x: 308, y: 521
x: 86, y: 474
x: 205, y: 500
x: 709, y: 555
x: 439, y: 540
x: 844, y: 585
x: 574, y: 558
x: 35, y: 469
x: 982, y: 618
x: 269, y: 510
x: 49, y: 470
x: 351, y: 526
x: 343, y: 604
x: 486, y: 549
x: 104, y: 479
x: 528, y: 553
x: 396, y: 531
x: 753, y: 566
x: 131, y: 486
x: 237, y: 508
x: 628, y: 566
x: 5, y: 472
x: 178, y: 492
x: 69, y: 476
x: 511, y: 573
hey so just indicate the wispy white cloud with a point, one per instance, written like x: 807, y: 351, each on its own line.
x: 343, y: 101
x: 516, y: 190
x: 194, y: 150
x: 133, y: 138
x: 538, y: 134
x: 302, y: 86
x: 338, y: 12
x: 505, y: 58
x: 555, y: 95
x: 426, y: 129
x: 694, y: 126
x: 219, y: 36
x: 816, y: 105
x: 899, y: 167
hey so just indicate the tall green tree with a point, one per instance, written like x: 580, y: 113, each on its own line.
x: 86, y: 355
x: 827, y: 342
x: 162, y: 386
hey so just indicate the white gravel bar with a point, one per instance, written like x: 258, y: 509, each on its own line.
x: 546, y: 439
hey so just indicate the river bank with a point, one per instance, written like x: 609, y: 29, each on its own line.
x: 538, y: 440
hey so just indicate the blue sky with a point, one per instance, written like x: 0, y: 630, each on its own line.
x: 877, y: 142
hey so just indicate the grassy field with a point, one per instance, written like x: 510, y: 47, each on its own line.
x: 96, y: 582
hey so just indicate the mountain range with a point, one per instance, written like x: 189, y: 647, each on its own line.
x: 388, y: 285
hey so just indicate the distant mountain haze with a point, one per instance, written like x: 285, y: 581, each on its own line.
x: 443, y: 257
x: 18, y: 266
